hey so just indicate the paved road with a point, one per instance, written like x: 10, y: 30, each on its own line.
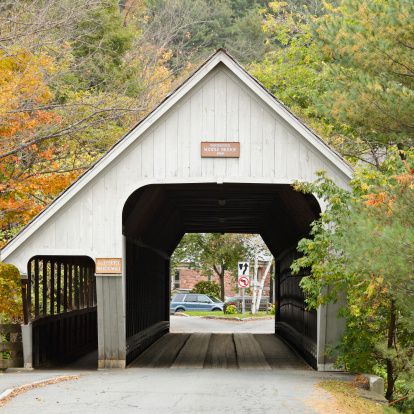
x: 144, y: 390
x: 180, y: 391
x: 182, y: 324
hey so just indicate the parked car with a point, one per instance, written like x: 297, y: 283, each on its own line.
x: 195, y: 302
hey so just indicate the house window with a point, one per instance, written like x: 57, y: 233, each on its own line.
x: 177, y: 280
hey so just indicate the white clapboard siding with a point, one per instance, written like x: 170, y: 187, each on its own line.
x: 219, y: 107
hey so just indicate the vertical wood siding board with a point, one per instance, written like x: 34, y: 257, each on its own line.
x: 317, y: 164
x: 113, y: 317
x: 171, y: 143
x: 220, y: 125
x: 86, y: 220
x: 159, y: 151
x: 121, y: 321
x: 98, y: 197
x: 184, y: 132
x: 106, y: 286
x: 100, y: 315
x: 207, y: 164
x: 256, y: 150
x: 244, y: 133
x: 233, y: 90
x: 110, y: 207
x: 73, y: 214
x: 268, y: 145
x: 148, y: 157
x: 305, y: 163
x: 196, y: 133
x: 62, y: 230
x: 293, y: 157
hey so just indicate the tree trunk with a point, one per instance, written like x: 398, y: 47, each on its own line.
x: 222, y: 283
x: 254, y: 284
x: 221, y: 277
x: 390, y: 367
x: 262, y: 282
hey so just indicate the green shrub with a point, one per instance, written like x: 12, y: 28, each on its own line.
x: 207, y: 288
x: 230, y: 310
x: 272, y: 311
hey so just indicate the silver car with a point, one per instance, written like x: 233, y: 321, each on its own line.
x: 195, y: 302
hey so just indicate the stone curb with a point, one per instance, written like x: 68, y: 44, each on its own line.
x: 376, y: 388
x: 8, y: 391
x: 226, y: 318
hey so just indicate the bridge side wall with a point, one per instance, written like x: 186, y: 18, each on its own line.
x: 293, y: 321
x: 147, y: 298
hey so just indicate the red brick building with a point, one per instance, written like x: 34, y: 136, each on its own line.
x: 185, y: 278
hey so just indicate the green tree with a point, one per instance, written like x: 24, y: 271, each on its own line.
x: 371, y: 71
x: 362, y: 247
x: 212, y: 253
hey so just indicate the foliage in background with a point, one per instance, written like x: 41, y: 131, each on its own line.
x: 212, y: 253
x: 207, y: 288
x: 11, y: 310
x: 371, y: 70
x: 347, y: 71
x: 362, y: 250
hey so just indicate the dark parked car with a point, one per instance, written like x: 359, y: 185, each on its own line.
x: 195, y: 302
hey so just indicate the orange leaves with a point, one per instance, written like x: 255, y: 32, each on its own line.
x: 10, y: 291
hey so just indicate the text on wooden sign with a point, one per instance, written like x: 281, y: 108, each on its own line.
x: 220, y: 149
x: 108, y: 266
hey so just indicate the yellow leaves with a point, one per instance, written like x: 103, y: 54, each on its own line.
x: 10, y: 291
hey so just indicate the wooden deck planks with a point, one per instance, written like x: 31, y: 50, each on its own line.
x: 279, y: 355
x: 221, y: 352
x: 162, y: 353
x: 193, y: 354
x: 249, y: 352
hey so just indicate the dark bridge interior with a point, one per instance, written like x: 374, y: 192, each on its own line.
x: 156, y: 217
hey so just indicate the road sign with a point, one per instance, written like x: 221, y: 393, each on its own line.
x: 243, y: 269
x: 244, y: 282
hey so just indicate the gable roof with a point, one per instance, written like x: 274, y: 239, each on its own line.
x: 220, y: 56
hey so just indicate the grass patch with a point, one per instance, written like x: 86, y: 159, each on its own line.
x: 234, y: 315
x: 346, y: 394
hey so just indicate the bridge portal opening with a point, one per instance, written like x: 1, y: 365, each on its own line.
x: 156, y: 217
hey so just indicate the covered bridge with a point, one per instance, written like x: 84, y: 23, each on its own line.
x: 219, y: 154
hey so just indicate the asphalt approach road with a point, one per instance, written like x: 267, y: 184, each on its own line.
x: 182, y: 324
x: 175, y: 390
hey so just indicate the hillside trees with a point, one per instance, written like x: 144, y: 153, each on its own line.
x: 362, y: 246
x: 347, y: 72
x: 370, y: 44
x: 74, y: 76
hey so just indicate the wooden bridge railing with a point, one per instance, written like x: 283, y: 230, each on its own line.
x: 59, y: 300
x: 11, y: 346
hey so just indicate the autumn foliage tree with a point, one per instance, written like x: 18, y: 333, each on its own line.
x: 362, y: 247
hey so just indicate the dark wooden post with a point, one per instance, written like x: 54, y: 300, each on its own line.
x: 65, y: 286
x: 277, y: 288
x: 36, y: 287
x: 44, y: 284
x: 26, y: 313
x: 52, y: 287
